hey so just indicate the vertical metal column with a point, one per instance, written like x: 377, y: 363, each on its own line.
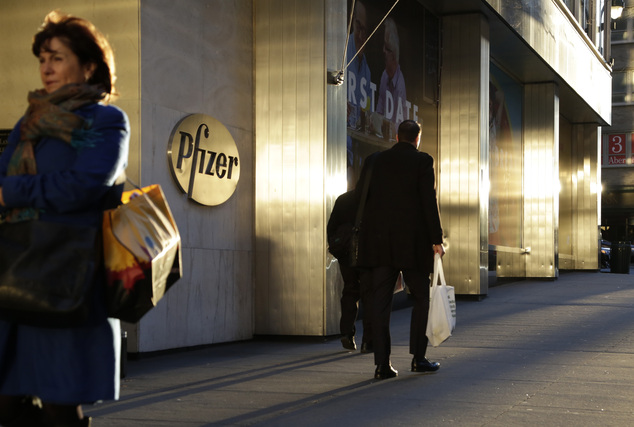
x: 290, y: 145
x: 567, y: 194
x: 586, y: 182
x: 541, y: 179
x: 336, y: 179
x: 463, y: 151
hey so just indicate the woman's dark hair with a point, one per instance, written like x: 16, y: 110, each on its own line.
x: 408, y: 131
x: 83, y: 38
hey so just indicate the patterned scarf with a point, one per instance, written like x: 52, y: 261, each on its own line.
x: 50, y: 115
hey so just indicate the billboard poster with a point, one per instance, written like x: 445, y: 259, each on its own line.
x: 505, y: 159
x: 391, y: 76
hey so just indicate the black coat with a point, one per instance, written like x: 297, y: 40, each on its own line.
x: 343, y: 212
x: 343, y: 215
x: 401, y: 221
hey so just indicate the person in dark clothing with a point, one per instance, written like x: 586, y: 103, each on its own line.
x: 400, y: 231
x: 343, y: 214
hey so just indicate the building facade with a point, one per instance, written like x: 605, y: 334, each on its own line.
x: 617, y: 160
x: 511, y: 95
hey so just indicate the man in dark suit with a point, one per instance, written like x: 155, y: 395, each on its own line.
x: 400, y: 231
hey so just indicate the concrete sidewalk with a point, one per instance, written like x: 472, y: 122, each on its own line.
x: 551, y: 353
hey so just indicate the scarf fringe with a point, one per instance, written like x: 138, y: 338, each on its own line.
x: 19, y: 214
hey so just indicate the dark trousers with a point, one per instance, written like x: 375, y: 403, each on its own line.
x: 381, y: 286
x: 352, y: 293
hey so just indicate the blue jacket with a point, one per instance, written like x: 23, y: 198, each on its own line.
x: 72, y: 185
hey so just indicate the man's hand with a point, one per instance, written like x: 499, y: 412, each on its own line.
x: 439, y: 249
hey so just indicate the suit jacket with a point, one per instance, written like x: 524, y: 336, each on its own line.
x: 401, y: 221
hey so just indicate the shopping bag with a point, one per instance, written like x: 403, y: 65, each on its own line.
x: 442, y: 307
x: 142, y: 254
x: 400, y: 283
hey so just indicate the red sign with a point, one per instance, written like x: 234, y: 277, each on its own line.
x: 616, y: 144
x: 616, y: 160
x: 620, y: 150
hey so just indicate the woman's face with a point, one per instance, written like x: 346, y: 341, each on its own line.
x: 59, y: 66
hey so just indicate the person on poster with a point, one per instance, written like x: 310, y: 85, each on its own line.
x: 358, y: 78
x: 392, y: 103
x: 400, y: 231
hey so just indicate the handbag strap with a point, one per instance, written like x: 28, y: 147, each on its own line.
x: 364, y: 193
x: 157, y: 210
x: 132, y: 183
x: 142, y: 193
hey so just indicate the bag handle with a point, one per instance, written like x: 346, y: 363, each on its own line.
x: 132, y: 183
x: 438, y: 272
x: 142, y: 193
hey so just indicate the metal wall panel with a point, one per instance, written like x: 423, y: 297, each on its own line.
x: 541, y: 179
x: 580, y: 179
x: 463, y: 151
x: 336, y: 151
x: 586, y: 182
x: 188, y: 52
x: 290, y: 119
x: 566, y: 197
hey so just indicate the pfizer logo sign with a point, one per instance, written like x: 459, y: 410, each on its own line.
x: 204, y: 159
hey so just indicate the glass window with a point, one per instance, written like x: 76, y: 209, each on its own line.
x: 600, y: 26
x: 622, y: 27
x: 405, y: 46
x: 622, y: 87
x: 585, y: 16
x: 505, y: 159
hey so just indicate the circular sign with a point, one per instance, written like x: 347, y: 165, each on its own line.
x: 203, y: 159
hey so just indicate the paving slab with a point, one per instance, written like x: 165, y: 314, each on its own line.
x: 532, y: 352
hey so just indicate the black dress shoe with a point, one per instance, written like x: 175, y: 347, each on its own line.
x: 385, y: 371
x: 25, y: 413
x: 424, y: 365
x: 367, y: 347
x: 348, y: 342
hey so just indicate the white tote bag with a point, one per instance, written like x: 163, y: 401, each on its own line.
x: 442, y: 307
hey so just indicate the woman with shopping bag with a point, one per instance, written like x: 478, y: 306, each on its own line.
x: 57, y: 176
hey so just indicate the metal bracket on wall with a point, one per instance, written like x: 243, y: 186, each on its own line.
x: 335, y: 77
x: 510, y: 249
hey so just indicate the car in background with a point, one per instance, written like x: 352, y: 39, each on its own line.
x: 605, y: 249
x: 605, y: 253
